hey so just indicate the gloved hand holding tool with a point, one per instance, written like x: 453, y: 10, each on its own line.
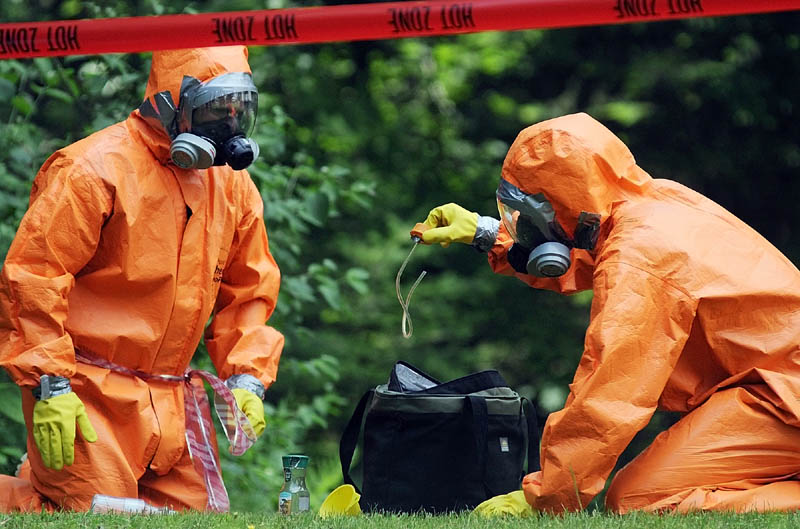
x: 54, y: 418
x: 453, y: 223
x: 448, y: 223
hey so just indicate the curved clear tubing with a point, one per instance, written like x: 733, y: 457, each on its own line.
x: 406, y: 326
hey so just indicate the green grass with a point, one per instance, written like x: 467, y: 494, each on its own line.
x: 466, y: 521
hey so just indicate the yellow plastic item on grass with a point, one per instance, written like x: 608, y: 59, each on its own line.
x: 343, y: 501
x: 511, y: 504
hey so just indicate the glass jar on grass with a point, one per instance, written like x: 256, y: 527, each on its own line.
x: 294, y: 497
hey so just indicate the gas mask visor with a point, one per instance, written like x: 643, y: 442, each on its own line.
x: 541, y: 248
x: 226, y: 116
x: 215, y: 119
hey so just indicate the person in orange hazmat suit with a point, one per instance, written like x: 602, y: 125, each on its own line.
x: 133, y: 238
x: 693, y: 312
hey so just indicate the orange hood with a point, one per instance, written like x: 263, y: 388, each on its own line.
x: 169, y: 66
x: 166, y: 74
x: 577, y: 163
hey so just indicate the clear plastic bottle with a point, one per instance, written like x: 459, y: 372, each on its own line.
x: 102, y: 504
x: 294, y: 497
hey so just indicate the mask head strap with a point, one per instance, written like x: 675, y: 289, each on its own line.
x: 162, y: 114
x: 586, y: 231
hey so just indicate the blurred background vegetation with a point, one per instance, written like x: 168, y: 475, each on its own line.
x: 360, y: 140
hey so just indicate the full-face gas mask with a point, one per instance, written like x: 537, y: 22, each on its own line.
x: 541, y: 247
x: 214, y: 119
x: 212, y: 122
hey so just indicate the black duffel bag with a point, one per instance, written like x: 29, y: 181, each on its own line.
x: 439, y: 447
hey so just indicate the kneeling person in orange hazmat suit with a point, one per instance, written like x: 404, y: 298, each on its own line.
x: 133, y: 238
x: 693, y: 312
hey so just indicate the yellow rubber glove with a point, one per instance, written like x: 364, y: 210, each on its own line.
x: 511, y: 504
x: 450, y: 223
x: 252, y: 406
x: 54, y: 428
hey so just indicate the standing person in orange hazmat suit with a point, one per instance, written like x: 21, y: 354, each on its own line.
x: 693, y: 312
x: 133, y: 238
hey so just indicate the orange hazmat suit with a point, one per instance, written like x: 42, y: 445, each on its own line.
x: 693, y: 312
x: 124, y: 257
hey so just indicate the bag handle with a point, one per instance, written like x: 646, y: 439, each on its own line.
x: 533, y: 435
x: 479, y: 412
x: 347, y: 445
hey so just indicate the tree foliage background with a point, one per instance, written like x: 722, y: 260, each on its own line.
x: 360, y: 140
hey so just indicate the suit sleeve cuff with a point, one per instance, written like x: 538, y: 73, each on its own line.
x: 486, y: 233
x: 51, y: 386
x: 248, y: 382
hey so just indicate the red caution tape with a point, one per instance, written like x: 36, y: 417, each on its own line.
x: 348, y: 23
